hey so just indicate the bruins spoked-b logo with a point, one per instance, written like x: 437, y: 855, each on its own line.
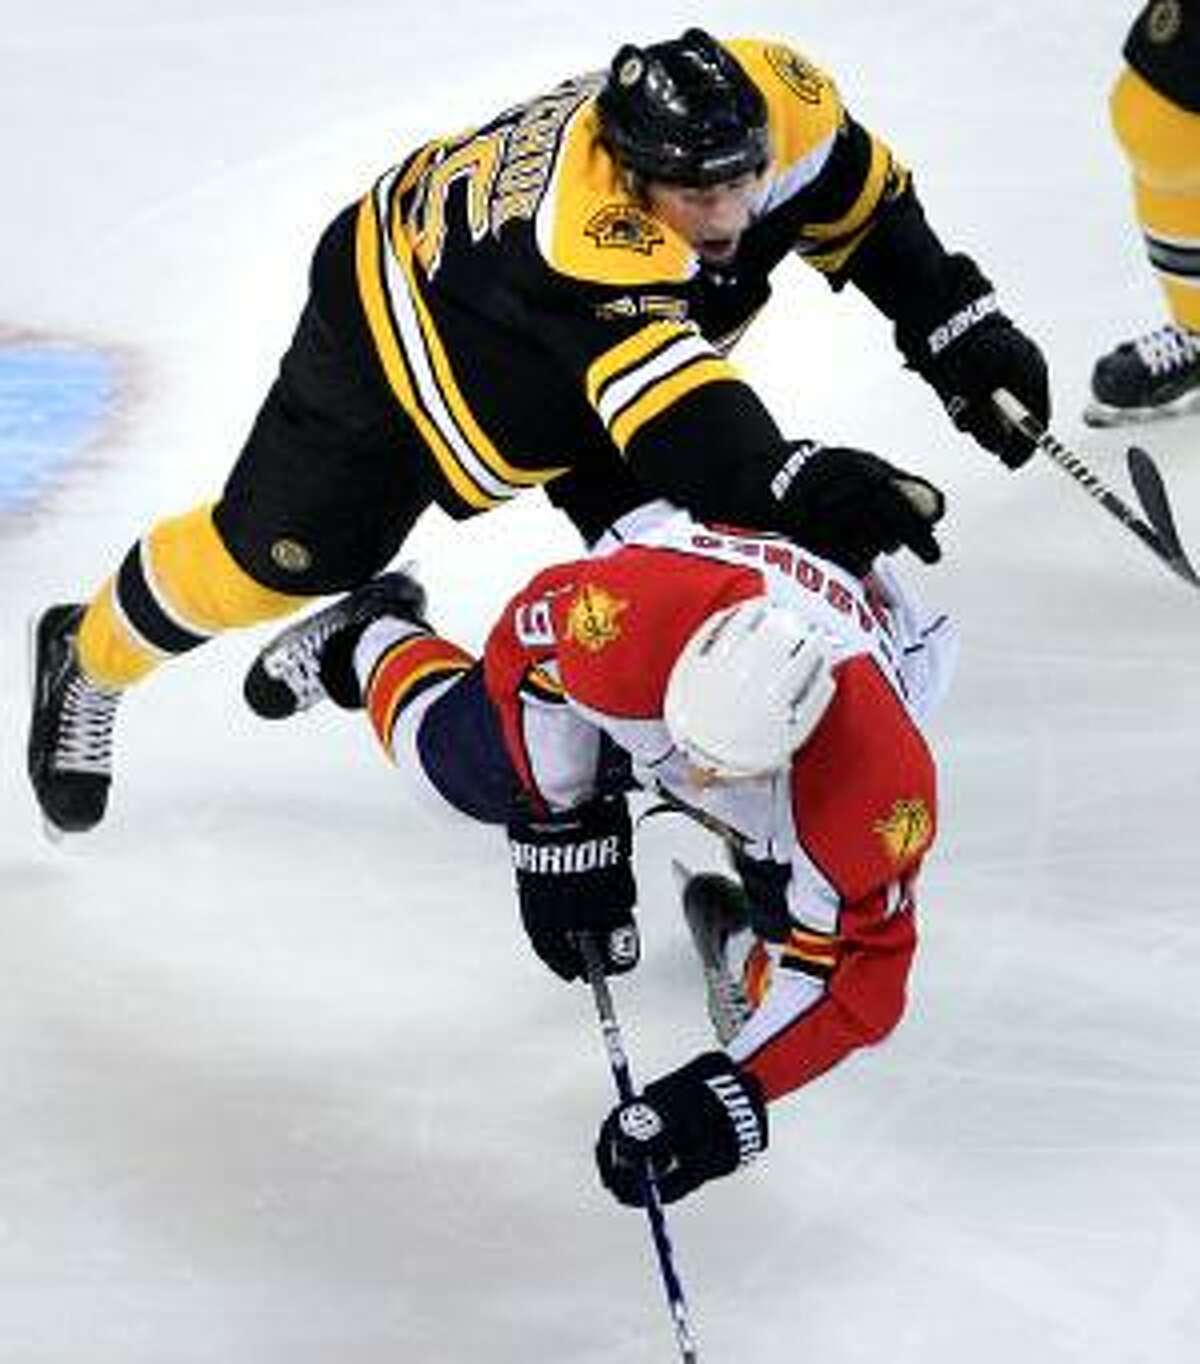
x: 291, y: 555
x: 625, y: 227
x: 1164, y: 21
x: 801, y: 77
x: 631, y: 70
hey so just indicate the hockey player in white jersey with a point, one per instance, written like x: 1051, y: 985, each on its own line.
x: 775, y: 695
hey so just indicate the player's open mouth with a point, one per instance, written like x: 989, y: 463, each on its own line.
x: 718, y: 248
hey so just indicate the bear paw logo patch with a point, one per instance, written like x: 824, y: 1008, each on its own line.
x: 625, y: 227
x: 800, y: 77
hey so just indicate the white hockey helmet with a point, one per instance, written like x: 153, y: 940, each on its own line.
x: 748, y: 688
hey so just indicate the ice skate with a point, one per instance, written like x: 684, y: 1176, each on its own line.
x: 70, y: 731
x: 313, y: 659
x: 715, y: 908
x: 1152, y: 376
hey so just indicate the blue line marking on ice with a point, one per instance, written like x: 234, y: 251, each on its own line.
x: 53, y: 399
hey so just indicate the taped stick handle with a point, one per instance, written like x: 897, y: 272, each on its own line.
x: 618, y: 1061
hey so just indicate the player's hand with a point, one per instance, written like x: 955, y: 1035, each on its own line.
x: 702, y: 1121
x: 850, y: 506
x: 573, y: 876
x: 972, y: 351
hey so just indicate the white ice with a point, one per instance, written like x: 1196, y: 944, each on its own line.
x: 280, y: 1080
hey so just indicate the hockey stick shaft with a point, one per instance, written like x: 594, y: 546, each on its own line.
x: 1015, y: 412
x: 618, y: 1061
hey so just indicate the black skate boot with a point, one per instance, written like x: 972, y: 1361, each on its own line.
x: 70, y: 732
x: 716, y: 908
x: 314, y: 658
x: 1156, y: 375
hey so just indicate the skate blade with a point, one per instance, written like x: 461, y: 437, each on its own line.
x: 1102, y: 415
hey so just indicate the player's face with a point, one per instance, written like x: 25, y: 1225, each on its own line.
x: 703, y: 778
x: 711, y: 219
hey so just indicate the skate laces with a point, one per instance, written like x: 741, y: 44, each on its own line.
x: 1167, y: 348
x: 85, y: 729
x: 296, y: 661
x: 295, y: 657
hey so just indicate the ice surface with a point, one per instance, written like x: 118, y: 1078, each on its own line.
x: 279, y: 1080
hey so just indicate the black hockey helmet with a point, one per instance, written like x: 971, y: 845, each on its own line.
x: 683, y: 111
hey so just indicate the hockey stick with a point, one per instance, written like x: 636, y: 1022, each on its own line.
x: 725, y: 996
x: 1158, y: 533
x: 619, y: 1065
x: 1152, y: 494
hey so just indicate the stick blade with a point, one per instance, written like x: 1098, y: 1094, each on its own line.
x: 709, y: 919
x: 1152, y: 494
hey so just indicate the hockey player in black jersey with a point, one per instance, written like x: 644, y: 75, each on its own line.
x: 550, y: 299
x: 1155, y: 109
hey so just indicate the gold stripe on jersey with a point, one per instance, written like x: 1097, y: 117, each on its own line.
x: 392, y: 356
x: 516, y: 479
x: 415, y: 362
x: 805, y: 950
x: 630, y: 352
x: 828, y: 245
x: 805, y: 112
x: 539, y: 685
x: 663, y: 395
x: 645, y: 373
x: 589, y: 227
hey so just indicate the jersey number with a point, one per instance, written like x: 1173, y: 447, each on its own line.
x: 475, y: 162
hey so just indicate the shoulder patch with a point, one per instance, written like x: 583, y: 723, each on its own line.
x: 593, y: 618
x: 589, y: 228
x: 625, y: 227
x: 798, y: 74
x: 803, y: 104
x: 906, y: 831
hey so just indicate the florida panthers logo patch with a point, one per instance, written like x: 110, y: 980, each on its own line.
x: 625, y: 227
x: 592, y: 619
x: 907, y: 830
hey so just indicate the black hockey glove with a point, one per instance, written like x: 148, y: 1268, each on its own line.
x: 849, y: 506
x: 704, y: 1120
x: 971, y: 349
x: 574, y: 876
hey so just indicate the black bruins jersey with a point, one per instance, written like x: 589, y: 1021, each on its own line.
x: 530, y: 315
x: 1164, y: 47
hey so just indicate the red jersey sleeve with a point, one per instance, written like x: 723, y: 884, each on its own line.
x: 864, y: 787
x: 622, y: 628
x: 864, y: 810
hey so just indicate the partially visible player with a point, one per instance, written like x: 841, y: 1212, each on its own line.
x: 1156, y: 114
x: 773, y: 695
x: 550, y: 298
